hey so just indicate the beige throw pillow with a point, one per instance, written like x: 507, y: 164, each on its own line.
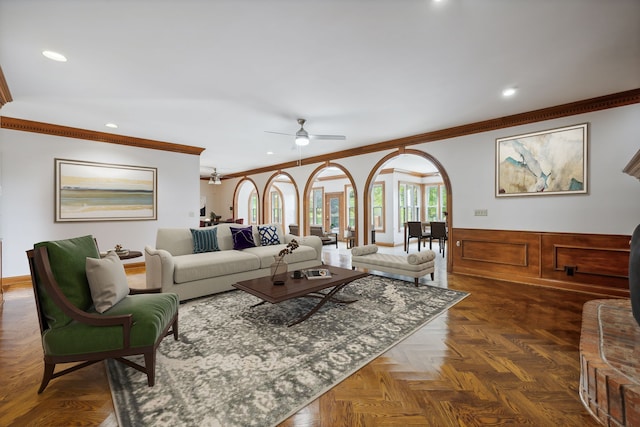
x: 107, y: 281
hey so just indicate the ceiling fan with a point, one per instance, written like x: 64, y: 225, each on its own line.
x: 303, y: 137
x: 215, y: 177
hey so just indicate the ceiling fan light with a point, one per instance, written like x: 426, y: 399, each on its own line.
x: 302, y: 140
x: 215, y: 178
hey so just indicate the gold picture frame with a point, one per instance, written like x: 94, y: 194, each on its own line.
x: 90, y: 191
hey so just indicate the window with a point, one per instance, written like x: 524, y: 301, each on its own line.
x: 253, y: 207
x: 351, y: 206
x: 315, y: 206
x: 408, y: 203
x: 275, y: 198
x: 377, y: 206
x: 436, y: 197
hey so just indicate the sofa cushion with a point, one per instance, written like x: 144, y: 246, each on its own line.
x: 266, y: 254
x: 176, y: 241
x: 268, y: 235
x: 242, y: 237
x: 107, y: 281
x: 205, y: 240
x: 188, y: 268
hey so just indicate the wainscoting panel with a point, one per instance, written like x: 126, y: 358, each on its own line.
x: 599, y: 260
x: 495, y: 253
x: 594, y: 263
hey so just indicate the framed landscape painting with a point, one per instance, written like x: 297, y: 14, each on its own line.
x: 89, y: 191
x: 541, y: 163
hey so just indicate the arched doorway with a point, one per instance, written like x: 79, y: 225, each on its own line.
x: 246, y: 202
x: 281, y: 200
x: 330, y: 200
x: 406, y: 185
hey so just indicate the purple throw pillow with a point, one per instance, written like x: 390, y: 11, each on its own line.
x: 242, y: 237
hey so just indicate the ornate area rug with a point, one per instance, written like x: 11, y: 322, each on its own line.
x: 240, y: 366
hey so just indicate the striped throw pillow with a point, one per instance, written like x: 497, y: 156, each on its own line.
x: 205, y: 240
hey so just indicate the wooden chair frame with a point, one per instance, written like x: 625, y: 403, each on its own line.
x: 328, y: 238
x: 39, y: 263
x: 415, y: 230
x: 439, y: 231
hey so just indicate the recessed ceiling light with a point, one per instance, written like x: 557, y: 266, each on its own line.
x: 111, y: 125
x: 269, y: 153
x: 54, y: 56
x: 510, y: 91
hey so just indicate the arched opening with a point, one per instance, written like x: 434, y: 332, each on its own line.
x: 330, y: 201
x: 246, y: 202
x: 406, y: 185
x: 281, y: 200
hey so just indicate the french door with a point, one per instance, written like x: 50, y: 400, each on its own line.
x: 334, y: 213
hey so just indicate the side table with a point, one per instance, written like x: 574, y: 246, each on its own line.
x: 128, y: 255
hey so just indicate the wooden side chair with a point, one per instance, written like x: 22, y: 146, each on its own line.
x: 439, y: 232
x: 327, y: 238
x: 415, y: 230
x: 88, y: 314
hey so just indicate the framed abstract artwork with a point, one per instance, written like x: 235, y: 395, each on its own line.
x: 89, y: 191
x: 543, y: 163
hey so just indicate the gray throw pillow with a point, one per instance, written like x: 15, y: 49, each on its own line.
x: 107, y: 281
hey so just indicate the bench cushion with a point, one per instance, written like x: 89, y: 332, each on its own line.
x: 391, y: 261
x: 364, y: 250
x: 421, y: 257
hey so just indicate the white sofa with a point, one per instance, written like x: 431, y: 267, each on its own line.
x: 173, y: 266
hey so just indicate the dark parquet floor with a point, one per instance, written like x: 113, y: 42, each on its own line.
x: 506, y: 355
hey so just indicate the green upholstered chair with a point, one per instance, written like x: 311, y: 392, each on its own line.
x: 75, y: 328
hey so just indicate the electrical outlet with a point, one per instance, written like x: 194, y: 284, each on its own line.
x: 480, y: 212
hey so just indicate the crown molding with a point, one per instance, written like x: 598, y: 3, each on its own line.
x: 90, y: 135
x: 619, y: 99
x: 5, y: 94
x: 564, y: 110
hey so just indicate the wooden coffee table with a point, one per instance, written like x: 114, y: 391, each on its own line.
x: 264, y: 288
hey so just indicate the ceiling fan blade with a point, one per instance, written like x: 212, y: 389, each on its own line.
x: 281, y: 133
x: 335, y: 137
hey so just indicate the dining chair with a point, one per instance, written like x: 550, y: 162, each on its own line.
x: 439, y: 232
x: 415, y: 230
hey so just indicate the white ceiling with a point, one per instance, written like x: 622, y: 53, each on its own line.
x: 217, y: 74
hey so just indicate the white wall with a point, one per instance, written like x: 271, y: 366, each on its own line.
x: 27, y: 207
x: 611, y: 206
